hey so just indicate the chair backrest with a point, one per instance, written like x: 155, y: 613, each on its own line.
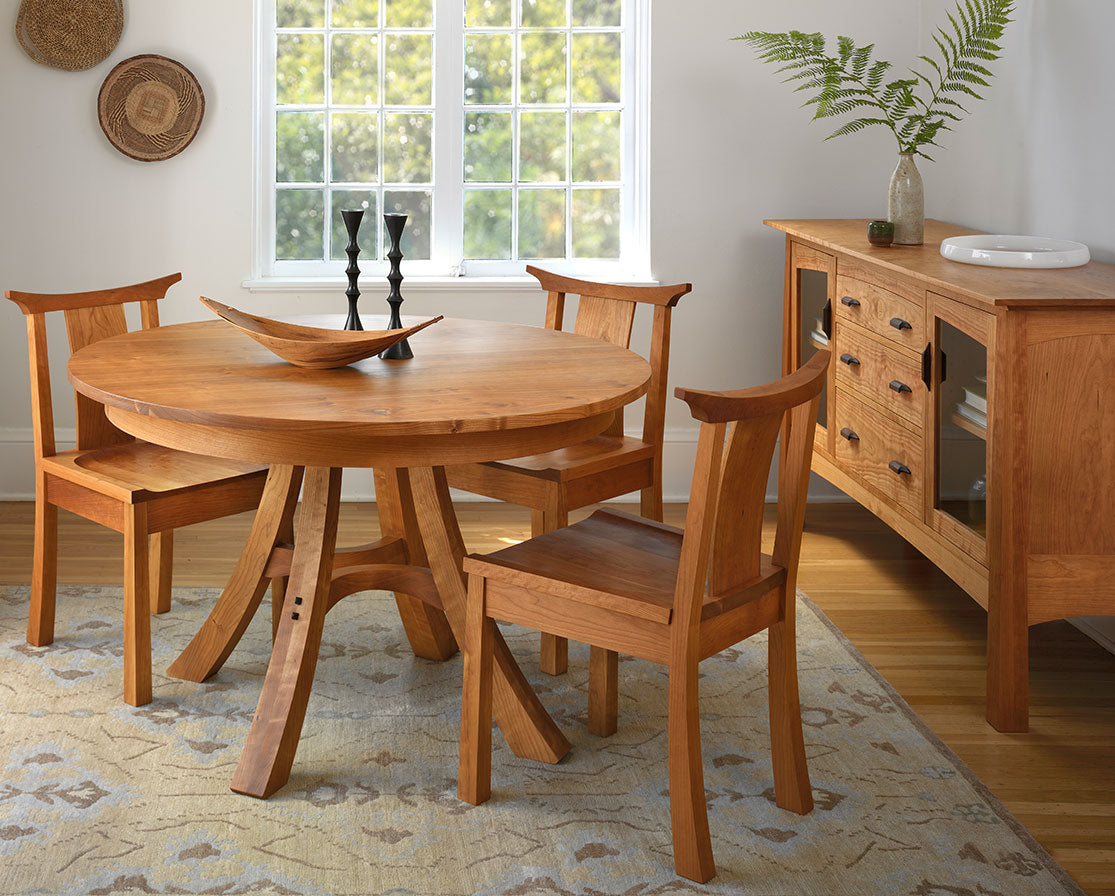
x: 721, y: 550
x: 607, y: 311
x: 90, y: 317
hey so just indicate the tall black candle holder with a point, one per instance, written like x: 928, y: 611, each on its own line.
x: 400, y: 351
x: 352, y: 224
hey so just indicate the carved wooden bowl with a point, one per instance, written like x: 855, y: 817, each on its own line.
x: 313, y: 346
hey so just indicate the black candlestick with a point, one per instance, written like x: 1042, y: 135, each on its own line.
x: 400, y: 351
x: 352, y: 224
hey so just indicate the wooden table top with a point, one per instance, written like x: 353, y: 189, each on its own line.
x: 467, y: 378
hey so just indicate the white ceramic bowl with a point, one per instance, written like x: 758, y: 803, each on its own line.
x: 1003, y: 251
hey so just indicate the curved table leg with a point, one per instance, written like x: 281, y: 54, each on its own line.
x: 427, y: 628
x: 238, y: 603
x: 273, y: 738
x: 529, y: 730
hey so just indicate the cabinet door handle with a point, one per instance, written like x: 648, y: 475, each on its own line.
x: 899, y: 324
x: 944, y: 366
x: 849, y: 434
x: 850, y: 302
x: 826, y: 319
x: 927, y: 366
x: 849, y: 359
x: 900, y: 468
x: 900, y: 387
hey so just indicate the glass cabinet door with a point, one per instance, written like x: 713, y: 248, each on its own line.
x: 957, y: 368
x: 812, y: 283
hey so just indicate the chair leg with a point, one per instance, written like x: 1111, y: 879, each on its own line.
x: 44, y: 572
x: 792, y: 789
x: 650, y: 500
x: 603, y: 691
x: 137, y: 620
x: 474, y: 771
x: 688, y: 810
x: 554, y: 658
x: 162, y: 565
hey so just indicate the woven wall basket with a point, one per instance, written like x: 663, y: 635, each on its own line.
x: 72, y: 35
x: 150, y: 107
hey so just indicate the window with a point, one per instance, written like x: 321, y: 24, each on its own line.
x: 507, y: 131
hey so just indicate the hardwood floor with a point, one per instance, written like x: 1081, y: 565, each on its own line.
x: 920, y: 630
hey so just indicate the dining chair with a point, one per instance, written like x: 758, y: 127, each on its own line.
x: 622, y: 583
x: 609, y: 465
x: 142, y: 490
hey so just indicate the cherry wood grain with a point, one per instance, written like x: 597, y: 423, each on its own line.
x: 470, y: 377
x: 142, y: 490
x: 316, y: 347
x: 479, y: 391
x: 555, y: 482
x: 1088, y: 286
x: 1048, y: 546
x: 625, y: 584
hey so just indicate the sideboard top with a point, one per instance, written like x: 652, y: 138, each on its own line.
x: 1091, y: 285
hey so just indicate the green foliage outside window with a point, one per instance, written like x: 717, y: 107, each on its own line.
x: 383, y: 158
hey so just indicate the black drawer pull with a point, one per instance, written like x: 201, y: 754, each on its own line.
x: 849, y: 435
x: 849, y: 359
x: 899, y: 468
x: 900, y: 387
x: 899, y: 324
x: 850, y: 302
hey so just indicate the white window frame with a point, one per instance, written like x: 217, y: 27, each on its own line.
x: 446, y: 267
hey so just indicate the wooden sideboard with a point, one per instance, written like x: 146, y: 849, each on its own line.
x: 972, y: 409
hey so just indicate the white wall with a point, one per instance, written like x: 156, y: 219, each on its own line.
x: 729, y: 147
x: 1036, y: 155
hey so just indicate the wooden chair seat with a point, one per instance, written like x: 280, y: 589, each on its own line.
x: 624, y: 584
x: 609, y: 465
x: 616, y: 561
x: 135, y: 472
x: 586, y: 459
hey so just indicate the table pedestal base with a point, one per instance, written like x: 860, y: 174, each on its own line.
x: 420, y: 527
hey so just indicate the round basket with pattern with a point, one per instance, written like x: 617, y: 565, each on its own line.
x: 150, y: 107
x: 72, y: 35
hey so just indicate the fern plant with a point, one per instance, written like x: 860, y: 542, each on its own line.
x: 852, y: 80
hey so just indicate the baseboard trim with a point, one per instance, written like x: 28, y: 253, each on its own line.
x: 17, y: 470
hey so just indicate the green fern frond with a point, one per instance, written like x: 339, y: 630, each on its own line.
x: 852, y: 80
x: 857, y: 124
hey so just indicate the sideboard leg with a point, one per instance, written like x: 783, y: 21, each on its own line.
x: 1008, y: 662
x: 426, y: 627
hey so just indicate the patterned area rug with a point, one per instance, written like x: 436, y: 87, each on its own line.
x: 98, y: 797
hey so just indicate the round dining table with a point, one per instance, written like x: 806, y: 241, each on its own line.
x: 474, y: 391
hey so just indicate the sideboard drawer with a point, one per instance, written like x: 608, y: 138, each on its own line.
x: 884, y: 455
x: 888, y: 378
x: 881, y: 311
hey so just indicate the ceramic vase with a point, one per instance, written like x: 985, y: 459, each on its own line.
x: 906, y: 202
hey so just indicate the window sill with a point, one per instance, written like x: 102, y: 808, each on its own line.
x: 417, y: 284
x: 423, y: 284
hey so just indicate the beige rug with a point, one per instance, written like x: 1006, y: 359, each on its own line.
x: 98, y: 797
